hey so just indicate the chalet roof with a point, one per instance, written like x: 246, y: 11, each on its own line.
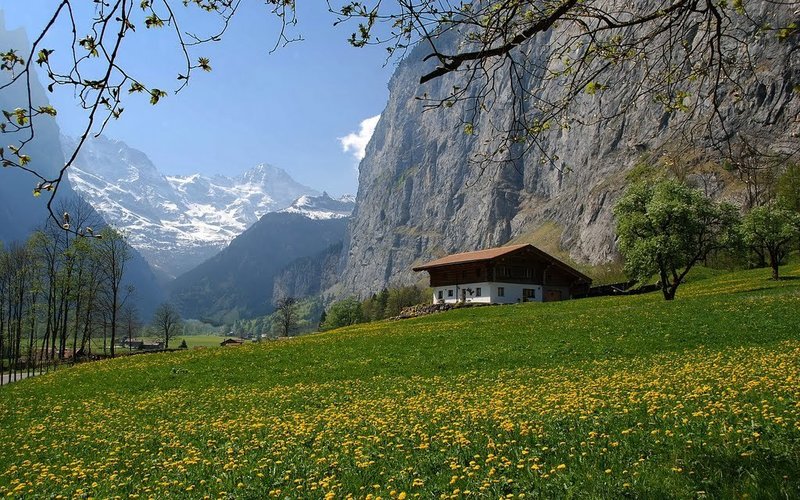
x: 464, y: 257
x: 232, y: 341
x: 493, y: 253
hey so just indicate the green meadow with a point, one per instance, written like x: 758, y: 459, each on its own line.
x: 191, y: 341
x: 606, y: 397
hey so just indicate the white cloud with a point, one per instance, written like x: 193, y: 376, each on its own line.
x: 356, y: 142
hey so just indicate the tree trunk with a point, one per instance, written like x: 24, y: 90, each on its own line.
x: 31, y: 341
x: 666, y: 288
x: 114, y: 308
x: 774, y: 261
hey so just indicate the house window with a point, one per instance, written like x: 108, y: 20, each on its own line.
x: 501, y: 291
x: 478, y: 292
x: 441, y: 295
x: 450, y: 293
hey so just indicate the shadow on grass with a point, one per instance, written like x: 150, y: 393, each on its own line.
x: 766, y: 474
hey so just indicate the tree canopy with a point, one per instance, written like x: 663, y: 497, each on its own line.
x: 665, y: 228
x: 771, y: 229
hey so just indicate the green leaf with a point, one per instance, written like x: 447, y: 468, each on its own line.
x: 136, y: 87
x: 47, y: 110
x: 43, y: 56
x: 593, y: 87
x: 88, y: 42
x: 153, y: 21
x: 21, y: 116
x: 204, y: 63
x: 155, y: 95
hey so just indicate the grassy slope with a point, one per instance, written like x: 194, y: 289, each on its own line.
x: 598, y: 397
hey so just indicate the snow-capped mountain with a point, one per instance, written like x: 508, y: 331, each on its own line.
x: 323, y: 206
x: 176, y: 222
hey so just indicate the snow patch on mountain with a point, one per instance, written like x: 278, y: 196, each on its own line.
x: 323, y: 206
x: 176, y: 221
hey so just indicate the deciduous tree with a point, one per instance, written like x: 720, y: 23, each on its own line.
x: 166, y: 322
x: 665, y: 228
x: 771, y: 229
x: 789, y: 188
x: 286, y: 315
x: 343, y: 313
x: 114, y: 255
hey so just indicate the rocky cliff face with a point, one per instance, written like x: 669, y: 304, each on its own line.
x: 420, y: 196
x: 20, y: 212
x: 308, y: 276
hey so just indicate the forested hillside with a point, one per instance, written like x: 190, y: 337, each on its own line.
x: 238, y: 282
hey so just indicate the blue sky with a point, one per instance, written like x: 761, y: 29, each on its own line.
x: 291, y: 108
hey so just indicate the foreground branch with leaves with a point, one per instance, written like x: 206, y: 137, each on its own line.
x: 690, y: 57
x: 93, y: 71
x: 549, y: 61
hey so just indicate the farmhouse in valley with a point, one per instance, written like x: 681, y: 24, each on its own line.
x: 232, y: 342
x: 504, y: 275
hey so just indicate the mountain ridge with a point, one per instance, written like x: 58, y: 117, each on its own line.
x: 176, y: 221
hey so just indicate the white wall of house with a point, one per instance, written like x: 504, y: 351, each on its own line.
x: 487, y: 293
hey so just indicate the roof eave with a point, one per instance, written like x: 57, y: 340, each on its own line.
x: 427, y: 267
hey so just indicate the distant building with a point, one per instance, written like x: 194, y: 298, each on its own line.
x: 231, y: 342
x: 152, y: 346
x: 132, y: 343
x: 504, y: 275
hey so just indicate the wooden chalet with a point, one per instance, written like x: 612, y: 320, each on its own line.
x: 132, y: 343
x: 504, y: 275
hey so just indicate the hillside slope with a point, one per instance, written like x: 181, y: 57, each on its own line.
x: 238, y: 282
x: 648, y: 399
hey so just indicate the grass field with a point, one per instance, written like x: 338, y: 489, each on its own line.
x: 97, y: 344
x: 200, y: 340
x: 191, y: 341
x: 607, y: 397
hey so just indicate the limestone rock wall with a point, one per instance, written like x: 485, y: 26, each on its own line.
x: 420, y: 196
